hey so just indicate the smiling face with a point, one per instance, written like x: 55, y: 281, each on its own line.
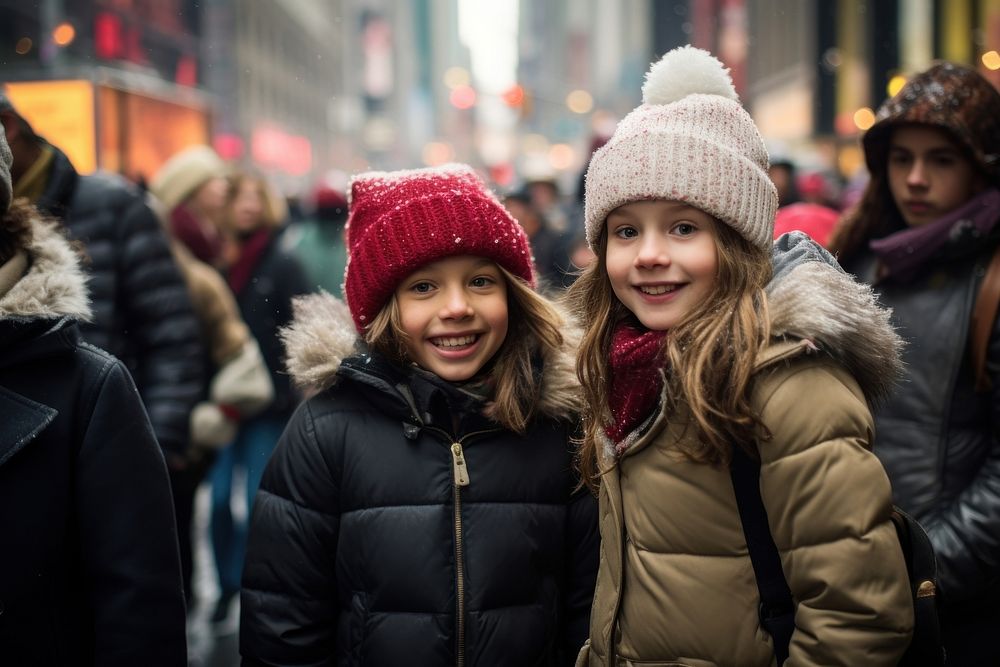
x: 929, y: 176
x: 662, y: 259
x: 454, y: 314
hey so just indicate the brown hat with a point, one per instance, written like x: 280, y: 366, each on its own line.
x: 951, y: 97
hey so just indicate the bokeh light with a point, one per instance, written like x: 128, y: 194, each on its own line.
x: 456, y: 76
x: 561, y: 156
x: 896, y: 84
x: 864, y: 118
x: 579, y: 101
x: 437, y: 153
x: 63, y: 34
x: 463, y: 97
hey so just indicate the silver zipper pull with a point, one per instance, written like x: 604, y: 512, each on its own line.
x: 458, y: 463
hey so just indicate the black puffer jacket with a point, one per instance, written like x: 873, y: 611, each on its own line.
x: 266, y: 305
x: 89, y: 562
x: 938, y: 438
x: 142, y: 311
x: 364, y: 551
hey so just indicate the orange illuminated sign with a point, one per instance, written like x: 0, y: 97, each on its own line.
x: 63, y: 113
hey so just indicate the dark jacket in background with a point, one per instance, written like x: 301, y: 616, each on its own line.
x: 142, y: 311
x: 266, y: 305
x: 90, y: 570
x: 940, y: 440
x: 361, y: 545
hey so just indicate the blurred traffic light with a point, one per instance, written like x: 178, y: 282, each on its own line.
x: 514, y: 96
x: 462, y: 97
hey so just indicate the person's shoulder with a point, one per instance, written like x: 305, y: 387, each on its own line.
x: 805, y: 377
x: 105, y: 187
x: 808, y: 399
x: 98, y: 360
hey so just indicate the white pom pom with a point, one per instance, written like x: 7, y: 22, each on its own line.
x: 685, y: 71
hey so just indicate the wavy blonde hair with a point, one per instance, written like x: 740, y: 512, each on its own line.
x: 709, y: 355
x: 534, y: 330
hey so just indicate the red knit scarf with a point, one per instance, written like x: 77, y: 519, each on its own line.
x: 250, y: 253
x: 636, y: 362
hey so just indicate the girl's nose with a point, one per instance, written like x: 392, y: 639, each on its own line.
x: 456, y: 305
x: 652, y: 252
x: 918, y: 174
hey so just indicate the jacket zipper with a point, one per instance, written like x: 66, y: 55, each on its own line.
x: 460, y: 479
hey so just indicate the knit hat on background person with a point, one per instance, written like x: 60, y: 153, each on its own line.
x: 184, y: 173
x: 952, y: 97
x: 402, y: 220
x: 690, y: 140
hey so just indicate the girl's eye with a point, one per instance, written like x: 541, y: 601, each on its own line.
x: 626, y: 232
x: 685, y: 229
x: 899, y: 158
x: 481, y: 281
x: 944, y: 161
x: 422, y: 287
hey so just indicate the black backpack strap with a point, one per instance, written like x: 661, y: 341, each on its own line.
x: 777, y: 608
x: 925, y: 647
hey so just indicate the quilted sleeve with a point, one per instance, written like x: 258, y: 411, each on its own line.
x: 289, y: 594
x: 829, y: 501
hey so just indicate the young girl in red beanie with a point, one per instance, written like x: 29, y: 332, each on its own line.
x: 696, y: 359
x: 421, y: 508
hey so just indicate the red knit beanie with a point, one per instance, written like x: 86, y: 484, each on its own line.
x: 402, y: 220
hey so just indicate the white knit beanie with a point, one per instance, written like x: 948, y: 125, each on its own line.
x: 690, y: 140
x: 184, y: 173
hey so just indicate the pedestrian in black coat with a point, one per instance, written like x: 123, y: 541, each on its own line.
x: 422, y: 507
x: 142, y: 312
x: 89, y: 563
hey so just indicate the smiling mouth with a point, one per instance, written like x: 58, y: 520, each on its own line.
x: 451, y: 342
x: 656, y: 290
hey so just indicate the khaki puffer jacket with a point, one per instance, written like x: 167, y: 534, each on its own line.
x: 676, y: 586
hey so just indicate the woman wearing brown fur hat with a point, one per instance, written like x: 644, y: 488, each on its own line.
x: 91, y: 574
x: 924, y: 234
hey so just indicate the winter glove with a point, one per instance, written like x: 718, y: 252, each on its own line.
x: 244, y: 383
x: 211, y: 427
x: 241, y: 388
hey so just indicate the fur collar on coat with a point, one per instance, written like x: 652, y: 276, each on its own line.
x: 322, y: 335
x: 827, y: 309
x: 54, y: 286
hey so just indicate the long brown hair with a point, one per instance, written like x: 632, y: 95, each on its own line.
x: 533, y: 331
x: 874, y: 216
x: 15, y: 228
x: 272, y: 213
x: 709, y: 355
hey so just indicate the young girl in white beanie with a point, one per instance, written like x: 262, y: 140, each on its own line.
x: 697, y: 360
x: 422, y: 508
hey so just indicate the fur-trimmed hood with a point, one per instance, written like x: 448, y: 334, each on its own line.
x: 54, y: 285
x: 811, y: 299
x: 322, y: 335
